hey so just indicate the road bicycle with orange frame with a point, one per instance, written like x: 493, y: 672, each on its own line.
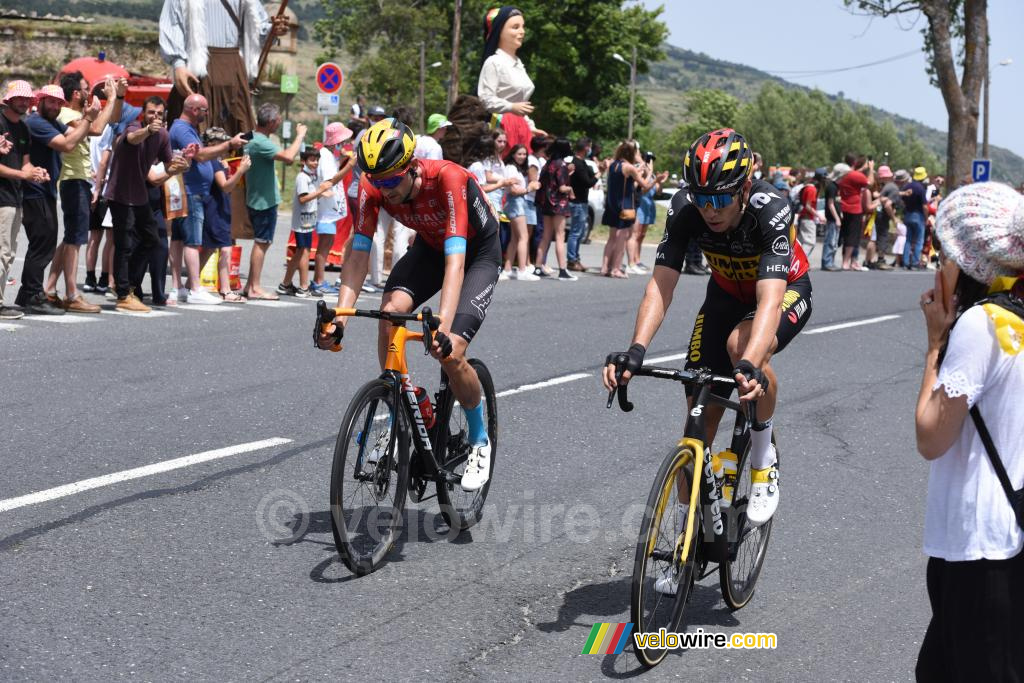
x: 373, y: 469
x: 714, y: 533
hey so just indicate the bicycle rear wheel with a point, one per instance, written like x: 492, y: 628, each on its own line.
x: 369, y: 478
x: 462, y: 509
x: 655, y: 551
x: 747, y: 544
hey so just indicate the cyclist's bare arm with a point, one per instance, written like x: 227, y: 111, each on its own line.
x: 761, y: 341
x: 451, y: 289
x: 766, y: 321
x: 653, y: 307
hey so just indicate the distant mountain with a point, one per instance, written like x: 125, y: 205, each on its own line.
x: 666, y: 84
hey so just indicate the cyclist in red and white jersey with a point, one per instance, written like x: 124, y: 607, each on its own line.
x: 456, y: 252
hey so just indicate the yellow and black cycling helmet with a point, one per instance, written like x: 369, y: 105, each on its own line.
x: 385, y: 148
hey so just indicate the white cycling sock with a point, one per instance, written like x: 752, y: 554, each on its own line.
x: 761, y: 453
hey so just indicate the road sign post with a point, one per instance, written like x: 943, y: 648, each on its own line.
x: 329, y: 79
x: 981, y: 170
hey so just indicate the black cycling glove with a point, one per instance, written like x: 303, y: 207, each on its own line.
x: 444, y: 342
x: 631, y: 360
x: 747, y: 369
x: 338, y: 333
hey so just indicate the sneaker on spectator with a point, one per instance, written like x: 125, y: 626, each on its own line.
x: 40, y: 304
x: 540, y: 272
x: 504, y: 275
x: 286, y: 289
x: 80, y: 305
x: 565, y: 276
x: 526, y: 276
x: 308, y: 293
x: 132, y: 304
x: 368, y: 288
x: 8, y: 313
x: 322, y: 288
x: 201, y: 296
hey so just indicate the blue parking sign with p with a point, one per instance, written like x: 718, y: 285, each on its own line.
x: 981, y: 169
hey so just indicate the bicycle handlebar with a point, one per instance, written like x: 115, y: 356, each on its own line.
x: 325, y: 317
x: 697, y: 377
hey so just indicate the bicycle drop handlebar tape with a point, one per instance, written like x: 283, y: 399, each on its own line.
x: 747, y: 369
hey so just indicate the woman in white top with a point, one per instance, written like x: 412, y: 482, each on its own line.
x: 515, y: 211
x: 975, y: 572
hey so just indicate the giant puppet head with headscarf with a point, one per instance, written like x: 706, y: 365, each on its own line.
x: 494, y: 22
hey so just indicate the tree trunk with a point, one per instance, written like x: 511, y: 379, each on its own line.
x: 961, y: 97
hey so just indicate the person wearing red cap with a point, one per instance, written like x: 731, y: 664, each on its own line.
x: 15, y: 169
x: 49, y: 140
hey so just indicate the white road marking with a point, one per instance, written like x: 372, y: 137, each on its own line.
x: 66, y: 319
x: 853, y: 323
x: 136, y: 473
x: 665, y: 359
x: 10, y: 327
x: 155, y: 313
x: 268, y: 304
x: 208, y: 308
x: 542, y: 385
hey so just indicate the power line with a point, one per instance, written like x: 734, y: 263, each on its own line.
x: 801, y: 73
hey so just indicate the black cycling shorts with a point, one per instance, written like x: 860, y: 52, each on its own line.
x: 420, y: 274
x: 721, y: 313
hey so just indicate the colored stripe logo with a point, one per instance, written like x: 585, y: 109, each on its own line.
x: 607, y: 639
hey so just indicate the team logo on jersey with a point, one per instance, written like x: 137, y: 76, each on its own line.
x: 780, y: 247
x: 760, y: 199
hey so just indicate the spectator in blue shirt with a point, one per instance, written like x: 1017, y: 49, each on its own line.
x: 913, y: 194
x: 187, y: 232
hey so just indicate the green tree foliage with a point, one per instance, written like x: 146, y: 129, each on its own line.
x: 567, y: 52
x: 795, y: 128
x: 385, y: 37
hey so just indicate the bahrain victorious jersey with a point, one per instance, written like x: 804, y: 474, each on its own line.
x: 450, y: 204
x: 762, y: 246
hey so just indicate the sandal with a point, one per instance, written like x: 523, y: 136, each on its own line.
x: 618, y: 274
x: 232, y: 298
x: 263, y: 296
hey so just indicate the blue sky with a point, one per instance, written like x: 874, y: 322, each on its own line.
x: 822, y: 34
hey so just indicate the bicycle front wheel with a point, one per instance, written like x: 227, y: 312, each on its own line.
x: 661, y: 531
x: 462, y: 509
x: 369, y: 478
x: 748, y: 544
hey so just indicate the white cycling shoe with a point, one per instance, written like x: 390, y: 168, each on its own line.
x: 764, y: 493
x: 478, y: 468
x: 668, y: 582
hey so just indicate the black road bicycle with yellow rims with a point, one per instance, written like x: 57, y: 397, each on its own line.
x: 695, y: 519
x: 373, y: 470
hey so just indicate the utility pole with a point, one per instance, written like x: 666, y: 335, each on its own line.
x: 632, y: 92
x: 423, y: 85
x: 453, y: 86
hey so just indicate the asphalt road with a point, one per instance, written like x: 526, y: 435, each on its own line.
x: 226, y: 569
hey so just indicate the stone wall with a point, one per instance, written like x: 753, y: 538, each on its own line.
x: 36, y: 50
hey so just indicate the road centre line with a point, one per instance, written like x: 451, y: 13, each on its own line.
x: 137, y: 473
x: 852, y: 323
x: 542, y: 385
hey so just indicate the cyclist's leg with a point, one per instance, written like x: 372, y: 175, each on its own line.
x: 718, y: 316
x: 414, y: 279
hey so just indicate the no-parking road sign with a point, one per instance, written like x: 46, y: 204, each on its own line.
x: 329, y: 78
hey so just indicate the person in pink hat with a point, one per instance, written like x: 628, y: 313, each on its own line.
x: 49, y: 139
x: 885, y: 219
x: 15, y: 170
x: 332, y: 207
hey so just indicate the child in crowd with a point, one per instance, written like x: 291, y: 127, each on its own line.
x: 304, y: 215
x: 217, y: 226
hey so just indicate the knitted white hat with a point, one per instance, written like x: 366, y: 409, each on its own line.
x: 981, y: 227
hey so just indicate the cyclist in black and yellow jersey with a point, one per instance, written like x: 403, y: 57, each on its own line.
x: 758, y: 297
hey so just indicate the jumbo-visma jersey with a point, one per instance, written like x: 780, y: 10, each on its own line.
x: 761, y: 247
x: 450, y: 203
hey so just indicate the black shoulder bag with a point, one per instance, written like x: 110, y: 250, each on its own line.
x: 1014, y: 305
